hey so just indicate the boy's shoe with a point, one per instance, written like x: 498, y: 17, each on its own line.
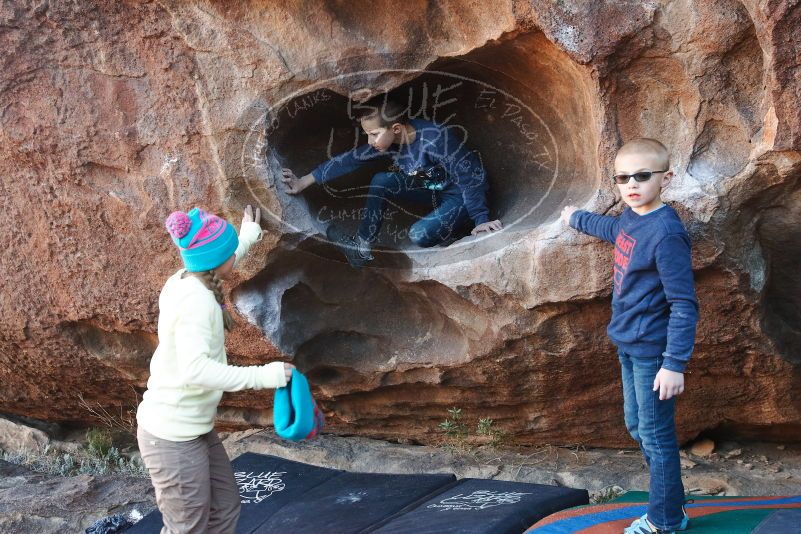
x: 643, y: 526
x: 348, y: 245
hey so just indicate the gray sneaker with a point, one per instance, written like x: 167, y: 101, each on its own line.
x: 644, y: 526
x: 349, y: 246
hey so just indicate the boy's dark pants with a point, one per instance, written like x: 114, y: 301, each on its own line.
x: 448, y: 218
x: 650, y: 422
x: 194, y: 481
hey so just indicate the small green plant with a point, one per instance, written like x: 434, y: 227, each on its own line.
x: 453, y: 427
x: 65, y: 464
x: 459, y: 438
x: 99, y: 441
x: 485, y: 428
x: 449, y: 427
x: 97, y: 458
x: 607, y: 494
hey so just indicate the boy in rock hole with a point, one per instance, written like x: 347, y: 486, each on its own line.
x: 431, y: 166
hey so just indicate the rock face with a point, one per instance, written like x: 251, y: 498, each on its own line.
x: 50, y: 504
x: 114, y: 114
x: 15, y: 437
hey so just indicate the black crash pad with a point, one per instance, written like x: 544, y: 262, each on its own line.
x: 280, y: 495
x: 353, y: 502
x: 476, y: 506
x: 266, y: 483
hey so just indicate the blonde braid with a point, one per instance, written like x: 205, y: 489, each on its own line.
x: 215, y: 284
x: 217, y: 288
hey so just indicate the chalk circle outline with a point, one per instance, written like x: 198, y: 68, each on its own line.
x: 259, y: 127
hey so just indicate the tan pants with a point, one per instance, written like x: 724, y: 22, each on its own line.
x: 195, y: 487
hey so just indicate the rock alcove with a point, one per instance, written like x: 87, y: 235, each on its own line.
x: 526, y: 114
x: 522, y: 104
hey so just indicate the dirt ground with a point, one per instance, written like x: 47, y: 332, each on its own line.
x: 36, y: 502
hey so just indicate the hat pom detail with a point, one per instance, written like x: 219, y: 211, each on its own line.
x: 178, y: 224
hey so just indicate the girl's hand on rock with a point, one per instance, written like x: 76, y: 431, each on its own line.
x: 249, y: 215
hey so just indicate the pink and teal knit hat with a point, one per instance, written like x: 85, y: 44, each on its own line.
x: 205, y: 241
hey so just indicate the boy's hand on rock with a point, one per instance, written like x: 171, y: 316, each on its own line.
x: 668, y: 383
x: 489, y: 226
x: 567, y: 212
x: 295, y: 185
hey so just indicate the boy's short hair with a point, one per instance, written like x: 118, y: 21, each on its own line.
x: 387, y: 110
x: 646, y: 145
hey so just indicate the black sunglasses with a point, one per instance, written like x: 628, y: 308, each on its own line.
x: 642, y: 176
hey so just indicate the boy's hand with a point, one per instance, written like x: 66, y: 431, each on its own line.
x: 489, y: 226
x: 295, y: 185
x: 248, y: 216
x: 567, y: 212
x: 288, y: 371
x: 669, y: 383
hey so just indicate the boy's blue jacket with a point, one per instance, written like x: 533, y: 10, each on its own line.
x: 433, y: 145
x: 654, y: 308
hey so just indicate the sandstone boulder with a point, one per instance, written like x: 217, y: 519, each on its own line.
x: 116, y: 113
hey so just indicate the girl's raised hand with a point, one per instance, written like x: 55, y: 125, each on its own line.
x: 249, y: 215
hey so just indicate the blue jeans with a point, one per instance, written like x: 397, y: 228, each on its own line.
x: 650, y: 422
x: 448, y: 218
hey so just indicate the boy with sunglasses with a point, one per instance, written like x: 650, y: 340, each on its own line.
x: 654, y: 313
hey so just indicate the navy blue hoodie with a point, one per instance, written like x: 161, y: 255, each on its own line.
x: 654, y: 309
x: 433, y: 145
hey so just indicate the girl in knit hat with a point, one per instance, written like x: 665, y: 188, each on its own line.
x: 192, y: 475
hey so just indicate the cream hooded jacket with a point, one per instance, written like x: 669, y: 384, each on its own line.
x: 189, y: 370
